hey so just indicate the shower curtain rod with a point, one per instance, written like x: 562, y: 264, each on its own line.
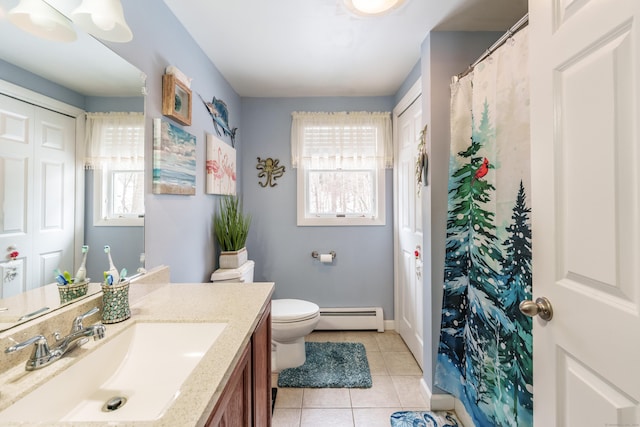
x: 510, y: 32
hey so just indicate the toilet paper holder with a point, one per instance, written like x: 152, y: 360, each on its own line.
x: 316, y: 254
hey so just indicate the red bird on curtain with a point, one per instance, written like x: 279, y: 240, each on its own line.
x: 482, y: 170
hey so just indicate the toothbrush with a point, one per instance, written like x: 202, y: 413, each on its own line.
x: 81, y: 275
x: 123, y: 274
x: 113, y: 271
x: 57, y: 274
x: 141, y: 269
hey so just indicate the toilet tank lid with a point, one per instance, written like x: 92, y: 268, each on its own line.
x: 226, y: 274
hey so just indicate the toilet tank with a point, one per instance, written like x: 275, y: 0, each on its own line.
x: 242, y: 274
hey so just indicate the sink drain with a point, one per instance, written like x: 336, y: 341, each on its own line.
x: 114, y: 404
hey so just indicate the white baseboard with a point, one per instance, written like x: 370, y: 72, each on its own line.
x: 446, y: 402
x: 389, y: 325
x: 437, y: 402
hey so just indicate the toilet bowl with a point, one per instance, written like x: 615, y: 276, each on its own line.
x: 291, y: 320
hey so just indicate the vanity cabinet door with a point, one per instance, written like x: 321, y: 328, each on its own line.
x: 234, y: 406
x: 262, y: 371
x: 246, y: 399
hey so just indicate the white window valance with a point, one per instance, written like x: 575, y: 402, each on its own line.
x: 343, y: 140
x: 114, y: 140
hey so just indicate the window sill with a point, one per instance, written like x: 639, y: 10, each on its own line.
x: 119, y: 222
x: 339, y: 221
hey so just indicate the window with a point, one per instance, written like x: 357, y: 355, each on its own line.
x: 341, y: 160
x: 115, y: 151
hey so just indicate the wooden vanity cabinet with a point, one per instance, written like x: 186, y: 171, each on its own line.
x: 246, y: 399
x: 261, y: 359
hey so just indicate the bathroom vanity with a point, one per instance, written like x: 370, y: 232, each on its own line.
x: 229, y: 386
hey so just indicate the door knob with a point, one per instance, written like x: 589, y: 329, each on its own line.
x: 541, y: 306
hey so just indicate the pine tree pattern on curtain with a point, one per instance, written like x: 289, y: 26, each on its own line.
x: 485, y: 350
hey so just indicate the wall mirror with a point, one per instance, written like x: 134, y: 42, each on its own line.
x: 88, y: 77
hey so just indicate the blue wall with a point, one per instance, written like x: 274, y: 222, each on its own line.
x: 25, y: 79
x: 362, y: 273
x: 178, y: 229
x: 409, y: 81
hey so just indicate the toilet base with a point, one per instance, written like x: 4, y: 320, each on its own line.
x: 289, y: 355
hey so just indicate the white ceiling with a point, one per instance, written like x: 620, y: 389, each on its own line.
x: 291, y: 48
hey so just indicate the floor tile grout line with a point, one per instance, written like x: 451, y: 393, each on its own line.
x: 388, y: 349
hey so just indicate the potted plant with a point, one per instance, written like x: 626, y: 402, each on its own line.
x: 231, y: 228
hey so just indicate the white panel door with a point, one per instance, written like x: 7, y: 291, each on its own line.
x: 16, y: 193
x: 409, y: 258
x: 54, y: 201
x: 37, y: 194
x: 585, y: 93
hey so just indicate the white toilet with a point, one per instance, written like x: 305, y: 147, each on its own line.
x: 291, y: 320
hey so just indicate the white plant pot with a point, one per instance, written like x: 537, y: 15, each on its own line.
x: 233, y: 259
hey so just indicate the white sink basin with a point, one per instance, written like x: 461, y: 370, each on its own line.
x: 146, y: 364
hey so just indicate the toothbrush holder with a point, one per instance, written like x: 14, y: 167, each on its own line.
x: 115, y: 301
x: 72, y: 291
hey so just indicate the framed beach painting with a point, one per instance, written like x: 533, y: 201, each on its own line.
x: 174, y: 160
x: 221, y: 167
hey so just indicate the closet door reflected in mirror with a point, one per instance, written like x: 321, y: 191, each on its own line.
x: 37, y: 181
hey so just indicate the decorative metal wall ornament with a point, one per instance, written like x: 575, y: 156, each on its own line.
x: 220, y: 115
x: 11, y: 266
x: 270, y: 170
x: 422, y: 160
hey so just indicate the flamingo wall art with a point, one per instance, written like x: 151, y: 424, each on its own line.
x: 221, y: 167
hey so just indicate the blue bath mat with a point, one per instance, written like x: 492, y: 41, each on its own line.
x: 330, y: 365
x: 424, y: 419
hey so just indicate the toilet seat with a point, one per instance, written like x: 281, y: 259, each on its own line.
x: 293, y: 310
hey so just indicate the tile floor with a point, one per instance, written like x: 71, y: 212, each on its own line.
x: 396, y: 386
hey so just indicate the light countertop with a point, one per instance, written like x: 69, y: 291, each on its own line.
x: 238, y: 305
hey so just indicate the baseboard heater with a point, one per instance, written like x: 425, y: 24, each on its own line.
x: 350, y: 318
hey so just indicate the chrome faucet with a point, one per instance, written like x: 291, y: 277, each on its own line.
x: 43, y: 356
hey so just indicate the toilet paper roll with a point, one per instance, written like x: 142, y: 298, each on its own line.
x: 326, y: 258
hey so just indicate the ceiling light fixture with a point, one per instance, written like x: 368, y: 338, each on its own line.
x: 372, y: 7
x: 40, y: 19
x: 103, y: 19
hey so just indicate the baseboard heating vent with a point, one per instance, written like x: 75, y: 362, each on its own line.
x: 350, y: 318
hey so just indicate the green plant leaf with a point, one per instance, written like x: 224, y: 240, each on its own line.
x: 230, y: 225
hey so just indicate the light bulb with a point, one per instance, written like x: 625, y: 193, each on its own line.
x: 372, y: 7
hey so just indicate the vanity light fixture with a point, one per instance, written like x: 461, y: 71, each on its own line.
x: 42, y: 20
x: 372, y: 7
x: 103, y: 19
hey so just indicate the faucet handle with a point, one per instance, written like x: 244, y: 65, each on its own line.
x: 40, y: 356
x: 77, y: 322
x: 41, y: 348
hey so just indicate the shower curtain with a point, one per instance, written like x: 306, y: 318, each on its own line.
x: 485, y: 350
